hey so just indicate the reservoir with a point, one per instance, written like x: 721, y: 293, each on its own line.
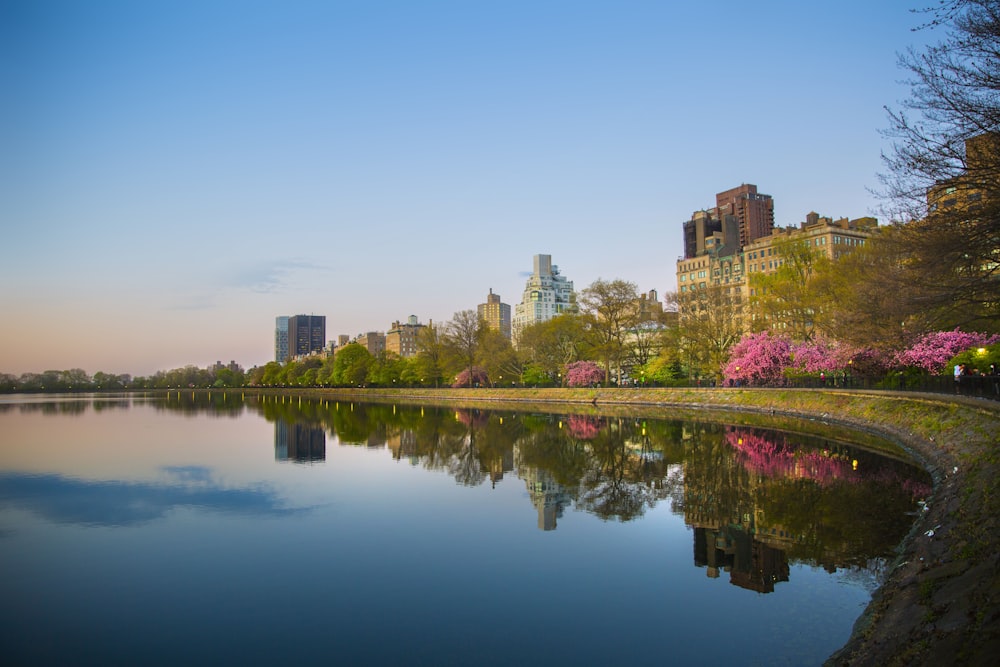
x: 205, y: 529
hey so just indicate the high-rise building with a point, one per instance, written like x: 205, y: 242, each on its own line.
x: 281, y: 339
x: 546, y: 294
x: 712, y: 259
x: 752, y: 211
x: 298, y: 335
x: 495, y: 314
x: 401, y: 339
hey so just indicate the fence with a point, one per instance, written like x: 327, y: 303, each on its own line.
x: 981, y: 386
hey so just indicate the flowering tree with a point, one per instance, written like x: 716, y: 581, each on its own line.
x: 759, y: 358
x: 471, y: 377
x: 583, y: 374
x: 932, y: 351
x: 819, y: 355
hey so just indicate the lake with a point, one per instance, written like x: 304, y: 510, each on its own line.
x: 205, y: 529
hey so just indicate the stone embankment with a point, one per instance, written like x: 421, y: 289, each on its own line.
x: 940, y: 604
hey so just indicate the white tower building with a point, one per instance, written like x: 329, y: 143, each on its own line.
x: 546, y: 295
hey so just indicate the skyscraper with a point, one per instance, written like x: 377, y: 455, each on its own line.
x: 281, y: 339
x: 754, y: 212
x: 298, y: 335
x: 546, y: 294
x: 495, y: 314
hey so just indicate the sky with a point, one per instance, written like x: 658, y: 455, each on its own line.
x: 174, y: 174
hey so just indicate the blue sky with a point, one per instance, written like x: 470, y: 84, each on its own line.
x: 175, y: 174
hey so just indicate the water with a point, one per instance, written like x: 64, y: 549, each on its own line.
x: 199, y: 530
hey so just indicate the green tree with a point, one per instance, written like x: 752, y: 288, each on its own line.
x: 273, y: 374
x: 610, y: 310
x: 867, y: 301
x: 789, y: 294
x: 351, y: 364
x: 386, y: 370
x: 429, y: 366
x: 546, y: 347
x: 497, y: 357
x: 462, y: 338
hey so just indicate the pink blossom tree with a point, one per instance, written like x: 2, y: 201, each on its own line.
x: 759, y: 358
x: 583, y: 374
x: 471, y: 377
x: 820, y: 355
x: 932, y: 351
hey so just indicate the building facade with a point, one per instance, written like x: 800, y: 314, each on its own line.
x: 717, y: 257
x: 496, y: 314
x: 306, y: 335
x: 752, y: 212
x: 281, y: 339
x: 401, y: 339
x: 546, y: 294
x: 373, y: 341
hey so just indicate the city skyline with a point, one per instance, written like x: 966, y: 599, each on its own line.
x: 178, y: 174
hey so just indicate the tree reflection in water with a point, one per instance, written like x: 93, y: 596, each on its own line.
x: 756, y: 498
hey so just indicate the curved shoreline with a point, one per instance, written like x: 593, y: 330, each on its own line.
x: 940, y: 603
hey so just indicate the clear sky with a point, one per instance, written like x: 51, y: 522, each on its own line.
x: 176, y: 173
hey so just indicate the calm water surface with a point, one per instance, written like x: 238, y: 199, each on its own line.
x: 210, y: 530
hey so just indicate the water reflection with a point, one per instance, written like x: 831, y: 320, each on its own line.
x: 62, y: 499
x: 69, y: 404
x: 300, y: 443
x: 755, y: 498
x: 172, y: 523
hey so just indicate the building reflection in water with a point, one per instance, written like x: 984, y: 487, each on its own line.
x: 751, y: 563
x: 300, y: 443
x: 547, y: 495
x: 756, y: 499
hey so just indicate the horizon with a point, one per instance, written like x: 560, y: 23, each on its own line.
x: 178, y: 174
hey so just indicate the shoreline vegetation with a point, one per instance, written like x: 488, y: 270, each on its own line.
x: 940, y: 602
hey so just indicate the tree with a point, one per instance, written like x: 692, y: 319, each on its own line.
x: 788, y: 295
x: 760, y: 359
x: 462, y: 336
x: 819, y: 355
x: 351, y: 364
x: 271, y: 374
x: 710, y: 322
x: 646, y: 340
x: 471, y: 377
x: 583, y: 374
x: 386, y: 369
x: 497, y: 357
x: 431, y: 353
x: 610, y: 309
x: 934, y: 350
x: 546, y: 347
x: 868, y: 297
x: 943, y: 169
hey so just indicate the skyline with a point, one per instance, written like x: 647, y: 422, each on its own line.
x: 176, y: 175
